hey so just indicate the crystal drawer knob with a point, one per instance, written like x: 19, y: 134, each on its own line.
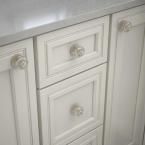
x: 77, y: 51
x: 125, y: 26
x: 77, y: 110
x: 19, y: 61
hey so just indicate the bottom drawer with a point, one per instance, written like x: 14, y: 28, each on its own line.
x: 92, y: 138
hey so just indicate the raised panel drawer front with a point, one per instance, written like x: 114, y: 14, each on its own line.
x: 66, y: 52
x: 18, y: 106
x: 126, y: 81
x: 73, y: 107
x: 92, y: 138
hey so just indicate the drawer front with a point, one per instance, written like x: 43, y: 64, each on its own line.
x: 68, y: 51
x: 72, y: 107
x: 92, y: 138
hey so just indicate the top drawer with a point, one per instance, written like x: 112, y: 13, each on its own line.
x: 66, y: 52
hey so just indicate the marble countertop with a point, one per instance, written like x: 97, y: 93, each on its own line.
x: 21, y: 19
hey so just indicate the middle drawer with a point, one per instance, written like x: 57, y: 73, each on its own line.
x: 73, y: 107
x: 66, y: 52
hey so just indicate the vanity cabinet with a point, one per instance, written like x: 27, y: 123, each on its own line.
x: 125, y: 110
x: 18, y: 109
x: 90, y: 80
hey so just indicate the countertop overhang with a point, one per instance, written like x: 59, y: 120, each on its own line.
x: 21, y: 19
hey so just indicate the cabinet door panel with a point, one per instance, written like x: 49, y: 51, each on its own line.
x: 126, y: 85
x: 18, y: 116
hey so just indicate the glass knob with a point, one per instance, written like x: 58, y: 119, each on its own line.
x: 19, y: 61
x: 77, y: 110
x: 77, y: 51
x: 125, y: 26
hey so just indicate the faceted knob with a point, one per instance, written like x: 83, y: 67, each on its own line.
x: 77, y: 110
x: 77, y: 51
x: 125, y: 26
x: 19, y: 62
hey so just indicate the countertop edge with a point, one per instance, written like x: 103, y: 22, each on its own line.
x: 68, y: 22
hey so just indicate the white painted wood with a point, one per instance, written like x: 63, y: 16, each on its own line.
x: 55, y: 62
x: 92, y: 138
x: 18, y: 107
x: 58, y: 124
x: 125, y: 111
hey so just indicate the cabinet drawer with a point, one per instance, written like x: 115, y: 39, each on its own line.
x: 92, y: 138
x: 68, y: 51
x: 73, y: 107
